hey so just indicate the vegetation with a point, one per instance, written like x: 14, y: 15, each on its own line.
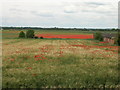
x: 37, y: 63
x: 30, y: 34
x: 41, y: 37
x: 56, y: 28
x: 98, y: 36
x: 53, y: 63
x: 21, y: 34
x: 36, y: 37
x: 118, y: 40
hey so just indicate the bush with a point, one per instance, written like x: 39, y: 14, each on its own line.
x: 118, y: 39
x: 98, y: 36
x: 21, y: 34
x: 41, y: 37
x: 36, y: 37
x: 30, y: 34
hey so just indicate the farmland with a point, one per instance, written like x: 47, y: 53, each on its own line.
x: 58, y: 63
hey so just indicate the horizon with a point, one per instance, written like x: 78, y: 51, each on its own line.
x: 62, y: 27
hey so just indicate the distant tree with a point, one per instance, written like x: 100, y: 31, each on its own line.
x: 21, y: 34
x: 30, y: 34
x: 118, y: 39
x: 41, y: 37
x: 36, y: 37
x: 98, y: 36
x: 113, y: 29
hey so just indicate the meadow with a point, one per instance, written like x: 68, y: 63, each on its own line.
x: 58, y: 63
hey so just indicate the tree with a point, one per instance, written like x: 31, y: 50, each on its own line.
x: 41, y: 37
x: 30, y: 34
x: 36, y: 37
x: 21, y: 34
x: 118, y: 39
x: 98, y: 36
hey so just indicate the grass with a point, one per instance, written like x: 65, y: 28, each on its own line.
x: 56, y: 63
x: 76, y: 67
x: 15, y: 33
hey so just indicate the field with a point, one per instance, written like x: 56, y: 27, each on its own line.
x: 58, y: 63
x: 64, y: 36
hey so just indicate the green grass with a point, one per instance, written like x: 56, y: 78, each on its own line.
x: 15, y: 33
x: 68, y: 71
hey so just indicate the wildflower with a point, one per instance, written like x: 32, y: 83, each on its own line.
x: 42, y: 54
x: 43, y: 57
x: 29, y: 67
x: 60, y: 52
x: 39, y: 57
x: 34, y: 74
x: 36, y: 56
x: 12, y: 59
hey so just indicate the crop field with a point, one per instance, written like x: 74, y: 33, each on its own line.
x: 58, y: 63
x: 64, y: 36
x: 48, y: 33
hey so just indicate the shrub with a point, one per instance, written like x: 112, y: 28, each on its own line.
x: 21, y: 34
x: 41, y: 37
x: 36, y: 37
x: 98, y: 36
x: 30, y: 34
x: 118, y: 39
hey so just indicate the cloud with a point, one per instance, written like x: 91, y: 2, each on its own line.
x: 74, y: 7
x: 106, y: 9
x: 95, y: 3
x: 70, y: 9
x: 17, y: 10
x: 42, y: 14
x: 64, y: 14
x: 101, y: 10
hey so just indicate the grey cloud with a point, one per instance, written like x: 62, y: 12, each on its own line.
x: 95, y: 11
x: 100, y: 8
x: 69, y: 11
x: 82, y: 6
x: 73, y: 14
x: 17, y: 10
x: 105, y: 12
x: 42, y: 14
x: 95, y: 3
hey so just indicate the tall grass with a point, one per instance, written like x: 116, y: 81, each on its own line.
x: 64, y: 66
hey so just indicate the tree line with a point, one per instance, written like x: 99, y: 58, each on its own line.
x: 55, y: 28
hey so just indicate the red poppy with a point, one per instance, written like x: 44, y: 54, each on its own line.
x: 60, y: 52
x: 12, y: 59
x: 36, y: 56
x: 39, y: 57
x: 34, y: 74
x: 29, y: 67
x: 43, y: 57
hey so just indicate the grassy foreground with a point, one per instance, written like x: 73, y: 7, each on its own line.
x: 36, y: 63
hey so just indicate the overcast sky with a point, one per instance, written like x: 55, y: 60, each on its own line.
x: 60, y: 13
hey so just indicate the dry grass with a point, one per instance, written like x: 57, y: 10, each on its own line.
x: 35, y: 63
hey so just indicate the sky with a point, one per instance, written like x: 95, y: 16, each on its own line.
x: 60, y: 13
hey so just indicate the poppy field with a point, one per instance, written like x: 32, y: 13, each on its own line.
x: 48, y: 63
x: 66, y: 36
